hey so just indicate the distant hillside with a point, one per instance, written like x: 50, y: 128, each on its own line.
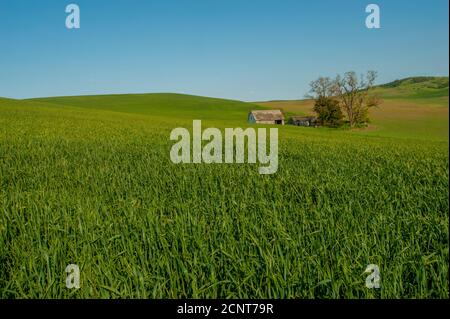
x: 420, y: 87
x: 169, y: 105
x: 6, y: 100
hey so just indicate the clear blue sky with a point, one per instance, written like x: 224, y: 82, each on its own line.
x: 241, y: 49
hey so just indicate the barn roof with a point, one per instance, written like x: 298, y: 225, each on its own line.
x: 268, y: 115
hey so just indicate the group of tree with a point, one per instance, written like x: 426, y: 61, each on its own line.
x: 344, y: 99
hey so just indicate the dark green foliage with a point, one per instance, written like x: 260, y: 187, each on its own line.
x: 328, y: 112
x: 426, y: 82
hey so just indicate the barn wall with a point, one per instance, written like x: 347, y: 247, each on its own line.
x: 251, y: 119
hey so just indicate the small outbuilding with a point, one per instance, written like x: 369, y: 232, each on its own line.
x: 303, y: 121
x: 266, y: 117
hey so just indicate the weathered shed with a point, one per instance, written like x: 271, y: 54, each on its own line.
x: 303, y: 120
x: 266, y: 117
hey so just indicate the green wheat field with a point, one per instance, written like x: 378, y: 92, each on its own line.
x: 88, y: 180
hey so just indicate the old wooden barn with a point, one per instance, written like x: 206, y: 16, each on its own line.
x: 266, y: 117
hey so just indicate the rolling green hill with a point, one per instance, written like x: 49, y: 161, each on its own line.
x: 415, y: 88
x: 171, y: 106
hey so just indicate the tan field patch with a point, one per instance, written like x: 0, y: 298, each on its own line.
x: 394, y: 117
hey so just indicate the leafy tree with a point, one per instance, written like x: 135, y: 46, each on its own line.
x: 354, y: 96
x: 348, y: 95
x: 326, y: 106
x: 328, y: 111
